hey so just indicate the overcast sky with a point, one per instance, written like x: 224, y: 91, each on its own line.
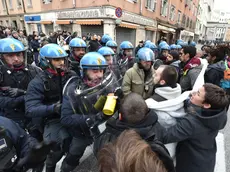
x: 222, y: 5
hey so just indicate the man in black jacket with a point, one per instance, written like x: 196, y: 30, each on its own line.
x: 94, y: 45
x: 196, y: 132
x: 134, y: 115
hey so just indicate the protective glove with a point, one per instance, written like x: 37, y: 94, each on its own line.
x: 57, y: 107
x: 15, y: 92
x: 35, y: 157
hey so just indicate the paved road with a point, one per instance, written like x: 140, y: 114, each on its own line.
x: 89, y: 163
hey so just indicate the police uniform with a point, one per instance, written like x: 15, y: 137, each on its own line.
x: 13, y: 107
x: 75, y: 61
x: 16, y: 146
x: 79, y: 104
x: 125, y: 62
x: 44, y: 93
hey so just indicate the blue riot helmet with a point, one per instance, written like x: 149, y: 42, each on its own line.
x: 92, y: 60
x: 126, y: 45
x: 108, y: 54
x: 162, y: 43
x: 147, y: 42
x: 179, y: 47
x: 105, y: 38
x: 165, y: 47
x: 151, y: 45
x: 173, y: 47
x: 12, y: 46
x: 106, y: 51
x: 126, y: 48
x: 78, y: 47
x: 113, y: 45
x: 179, y: 41
x: 77, y: 42
x: 145, y: 54
x: 192, y: 44
x: 51, y: 51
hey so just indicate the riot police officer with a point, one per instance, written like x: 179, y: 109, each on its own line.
x: 105, y: 38
x: 84, y: 98
x: 15, y: 75
x: 112, y: 45
x: 77, y: 49
x: 110, y: 58
x: 44, y: 99
x: 139, y: 78
x: 125, y: 58
x: 18, y: 150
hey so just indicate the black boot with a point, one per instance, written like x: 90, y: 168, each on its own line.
x: 66, y: 167
x: 50, y: 169
x: 39, y: 168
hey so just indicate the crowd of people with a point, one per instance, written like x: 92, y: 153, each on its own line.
x: 163, y: 105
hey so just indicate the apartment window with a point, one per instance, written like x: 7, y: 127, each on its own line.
x: 133, y: 1
x: 164, y: 8
x: 4, y: 4
x: 49, y: 1
x: 29, y: 3
x: 151, y: 4
x: 19, y: 3
x: 10, y: 4
x: 178, y: 17
x: 193, y: 8
x: 183, y: 19
x: 195, y: 11
x: 191, y: 24
x: 172, y: 13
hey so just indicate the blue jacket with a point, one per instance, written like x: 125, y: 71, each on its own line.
x: 40, y: 99
x: 19, y: 137
x: 34, y: 100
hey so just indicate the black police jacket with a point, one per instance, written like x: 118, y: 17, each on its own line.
x: 13, y: 107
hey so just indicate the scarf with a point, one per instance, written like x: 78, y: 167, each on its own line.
x: 194, y: 62
x: 54, y: 72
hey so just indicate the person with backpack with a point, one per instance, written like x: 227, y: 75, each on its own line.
x: 218, y: 68
x: 196, y: 132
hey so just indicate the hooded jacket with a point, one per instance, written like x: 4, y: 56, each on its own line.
x: 114, y: 127
x: 136, y: 81
x: 215, y: 72
x: 169, y: 109
x: 196, y: 133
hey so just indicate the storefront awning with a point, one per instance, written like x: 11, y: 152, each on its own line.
x: 128, y: 25
x: 150, y: 28
x: 166, y: 29
x: 89, y: 22
x: 46, y: 22
x: 63, y: 22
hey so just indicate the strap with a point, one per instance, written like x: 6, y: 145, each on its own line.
x: 226, y: 64
x: 46, y: 82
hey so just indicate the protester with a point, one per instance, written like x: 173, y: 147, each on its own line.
x: 196, y: 132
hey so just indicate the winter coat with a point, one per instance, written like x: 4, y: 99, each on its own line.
x: 35, y: 45
x: 114, y: 127
x: 94, y: 45
x: 168, y: 110
x: 215, y: 72
x: 188, y: 80
x: 196, y: 133
x: 136, y: 81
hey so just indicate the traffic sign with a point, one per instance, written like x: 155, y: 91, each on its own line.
x: 118, y: 12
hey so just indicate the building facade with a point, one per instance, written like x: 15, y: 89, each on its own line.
x: 205, y: 10
x: 138, y: 20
